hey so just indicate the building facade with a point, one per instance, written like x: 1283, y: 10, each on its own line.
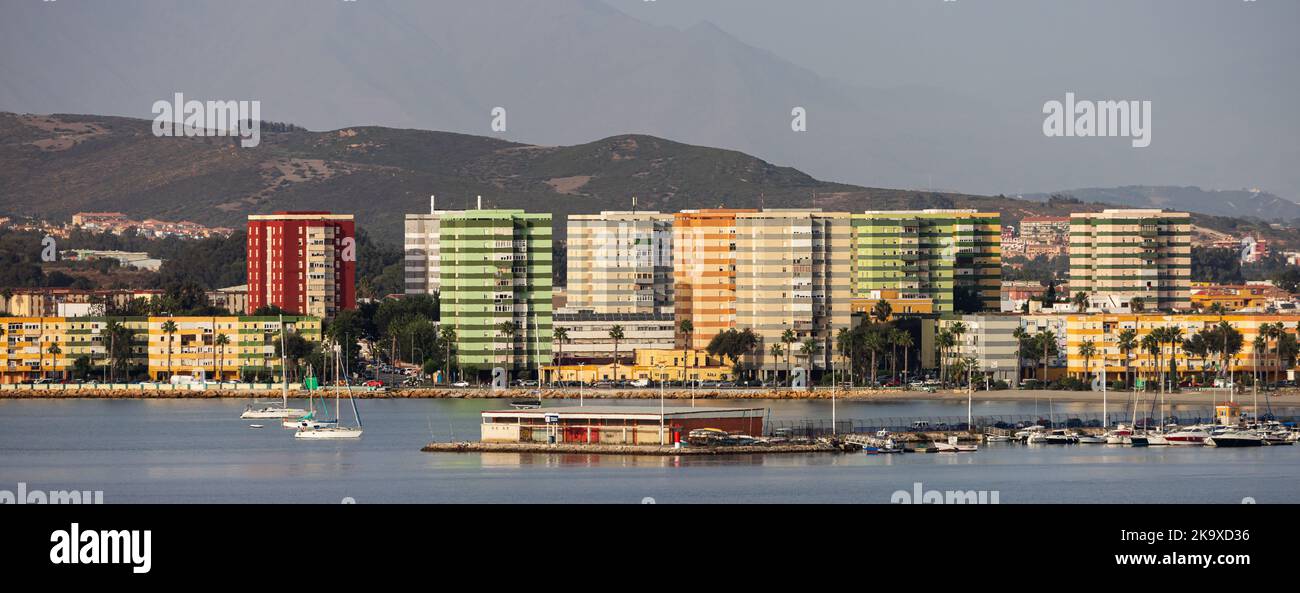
x: 422, y: 253
x: 990, y: 340
x: 792, y: 273
x: 1130, y: 254
x: 936, y: 254
x: 302, y: 262
x: 495, y: 272
x: 588, y: 334
x: 49, y: 347
x: 620, y: 262
x: 704, y: 272
x: 1104, y: 330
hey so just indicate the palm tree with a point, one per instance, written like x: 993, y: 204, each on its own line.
x: 54, y: 351
x: 1273, y: 332
x: 808, y: 349
x: 221, y: 341
x: 788, y: 338
x: 1045, y: 342
x: 1080, y: 301
x: 943, y: 341
x: 616, y: 334
x: 844, y: 343
x: 509, y: 329
x: 1087, y: 350
x: 875, y: 343
x: 448, y: 335
x: 1151, y: 345
x: 1261, y: 346
x: 1137, y: 304
x: 559, y: 335
x: 1127, y: 344
x: 686, y: 327
x: 904, y: 341
x: 169, y: 328
x: 1019, y: 334
x: 881, y: 311
x: 1173, y: 335
x: 776, y: 351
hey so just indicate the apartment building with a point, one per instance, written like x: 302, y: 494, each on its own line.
x: 1130, y: 254
x: 302, y: 262
x: 49, y: 347
x: 495, y: 272
x: 588, y: 334
x: 792, y: 273
x: 422, y: 252
x: 990, y: 340
x: 1104, y: 330
x: 704, y: 272
x: 620, y: 263
x: 942, y: 255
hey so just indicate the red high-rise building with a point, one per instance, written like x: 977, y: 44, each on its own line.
x: 303, y: 262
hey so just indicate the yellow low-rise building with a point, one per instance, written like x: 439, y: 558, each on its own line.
x: 49, y: 347
x: 1104, y: 332
x: 651, y: 365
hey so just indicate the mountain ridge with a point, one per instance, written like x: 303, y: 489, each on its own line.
x: 52, y: 166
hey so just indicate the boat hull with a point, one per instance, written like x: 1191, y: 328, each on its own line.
x: 1234, y: 441
x: 273, y: 413
x: 328, y: 433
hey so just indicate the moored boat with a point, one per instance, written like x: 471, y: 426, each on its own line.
x: 1235, y: 438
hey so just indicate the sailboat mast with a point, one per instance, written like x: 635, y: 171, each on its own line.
x: 284, y: 367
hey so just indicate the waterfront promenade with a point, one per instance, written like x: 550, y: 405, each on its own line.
x: 1289, y: 397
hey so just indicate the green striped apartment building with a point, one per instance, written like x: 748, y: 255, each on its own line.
x: 1124, y: 254
x: 931, y: 254
x: 495, y: 267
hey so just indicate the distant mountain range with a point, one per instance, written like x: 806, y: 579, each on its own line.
x: 1240, y: 203
x: 54, y: 166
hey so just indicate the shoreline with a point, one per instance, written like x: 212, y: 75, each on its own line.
x: 1286, y: 398
x: 641, y: 450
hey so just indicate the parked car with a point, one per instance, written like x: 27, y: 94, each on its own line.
x: 460, y: 384
x: 374, y: 383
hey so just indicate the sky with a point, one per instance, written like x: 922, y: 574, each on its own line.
x: 899, y: 93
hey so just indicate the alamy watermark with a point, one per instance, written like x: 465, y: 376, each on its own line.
x: 1098, y: 119
x: 209, y: 119
x: 919, y: 495
x: 24, y: 496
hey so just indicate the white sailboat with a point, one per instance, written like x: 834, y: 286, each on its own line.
x: 333, y: 430
x: 272, y: 410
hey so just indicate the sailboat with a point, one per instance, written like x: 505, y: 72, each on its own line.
x: 333, y: 430
x: 273, y: 411
x: 1133, y: 439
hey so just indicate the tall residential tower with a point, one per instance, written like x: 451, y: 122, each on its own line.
x: 1126, y: 254
x: 302, y: 262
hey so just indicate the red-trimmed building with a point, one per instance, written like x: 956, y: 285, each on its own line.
x: 303, y: 262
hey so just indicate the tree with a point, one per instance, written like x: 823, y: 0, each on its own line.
x: 1045, y: 342
x: 510, y: 328
x: 733, y: 345
x: 1194, y: 347
x: 904, y: 340
x: 81, y: 367
x: 881, y: 311
x: 776, y: 351
x: 222, y: 340
x: 447, y: 335
x: 616, y: 334
x: 1127, y: 344
x: 1080, y: 301
x: 54, y: 351
x: 844, y: 343
x: 1137, y: 304
x: 808, y: 349
x: 788, y: 338
x: 1087, y: 350
x: 686, y: 327
x: 875, y: 343
x: 560, y: 335
x: 169, y: 329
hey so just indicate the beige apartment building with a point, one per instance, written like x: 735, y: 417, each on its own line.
x: 1129, y: 254
x: 704, y: 272
x: 792, y: 272
x: 423, y: 253
x: 620, y: 263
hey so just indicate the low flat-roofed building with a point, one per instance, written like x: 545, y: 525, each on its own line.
x: 615, y: 425
x: 588, y: 333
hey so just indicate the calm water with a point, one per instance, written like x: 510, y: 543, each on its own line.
x: 201, y: 452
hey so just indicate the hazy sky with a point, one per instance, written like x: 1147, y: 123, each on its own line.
x: 901, y: 93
